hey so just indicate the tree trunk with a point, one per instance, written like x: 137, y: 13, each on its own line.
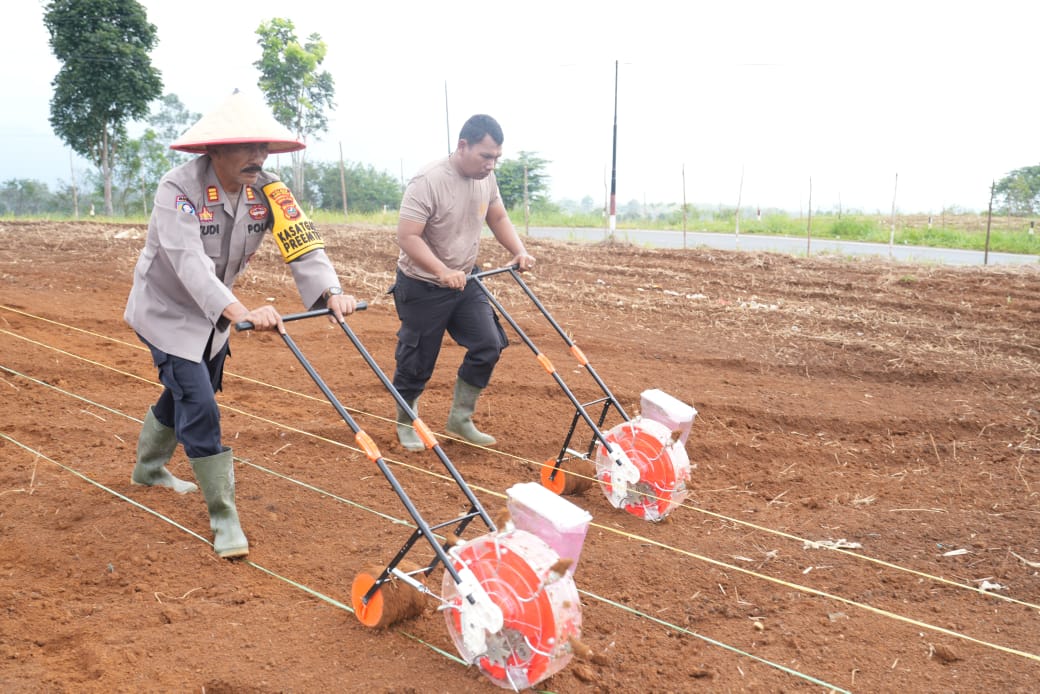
x: 298, y: 182
x: 75, y: 193
x: 106, y: 171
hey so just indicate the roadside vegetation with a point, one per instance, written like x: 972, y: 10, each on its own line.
x: 951, y: 229
x: 964, y: 230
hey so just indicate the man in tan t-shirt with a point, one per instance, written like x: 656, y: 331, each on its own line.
x: 443, y: 212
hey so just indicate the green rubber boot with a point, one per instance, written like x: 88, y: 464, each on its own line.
x: 460, y: 418
x: 155, y: 447
x: 216, y: 476
x: 406, y: 433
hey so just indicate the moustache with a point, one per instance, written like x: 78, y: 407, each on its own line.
x: 252, y: 169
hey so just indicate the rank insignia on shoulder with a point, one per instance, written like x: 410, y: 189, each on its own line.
x: 250, y: 195
x: 184, y: 205
x: 211, y: 194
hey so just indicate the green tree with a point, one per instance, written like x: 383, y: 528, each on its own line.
x: 23, y: 196
x: 68, y: 199
x: 368, y: 190
x: 140, y: 164
x: 106, y: 78
x: 170, y: 119
x: 1019, y: 191
x: 294, y: 88
x: 631, y: 211
x: 511, y: 180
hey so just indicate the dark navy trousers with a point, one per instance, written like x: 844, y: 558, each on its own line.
x: 427, y: 311
x: 188, y: 402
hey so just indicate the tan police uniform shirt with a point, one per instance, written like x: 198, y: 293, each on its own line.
x: 195, y: 249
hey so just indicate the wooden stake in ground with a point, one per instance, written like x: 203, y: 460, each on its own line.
x: 684, y: 206
x: 740, y: 192
x: 342, y: 180
x: 613, y: 164
x: 75, y: 194
x: 989, y: 220
x: 808, y: 228
x: 892, y: 231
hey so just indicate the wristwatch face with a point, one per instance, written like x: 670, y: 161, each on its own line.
x: 332, y: 291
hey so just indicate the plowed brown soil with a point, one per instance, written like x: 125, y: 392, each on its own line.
x: 863, y: 513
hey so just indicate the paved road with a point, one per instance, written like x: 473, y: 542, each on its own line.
x: 787, y: 244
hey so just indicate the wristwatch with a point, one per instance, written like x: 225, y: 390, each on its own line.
x: 331, y: 291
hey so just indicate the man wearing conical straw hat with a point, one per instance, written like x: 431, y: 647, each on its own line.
x: 209, y: 217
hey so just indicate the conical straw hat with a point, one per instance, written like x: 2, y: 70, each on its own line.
x: 239, y: 119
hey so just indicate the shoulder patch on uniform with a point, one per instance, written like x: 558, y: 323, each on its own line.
x: 184, y: 205
x: 293, y: 231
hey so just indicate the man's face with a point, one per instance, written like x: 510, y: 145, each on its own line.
x: 239, y: 164
x: 478, y: 160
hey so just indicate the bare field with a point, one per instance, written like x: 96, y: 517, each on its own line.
x: 863, y: 511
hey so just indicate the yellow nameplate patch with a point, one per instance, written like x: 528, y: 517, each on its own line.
x: 293, y: 231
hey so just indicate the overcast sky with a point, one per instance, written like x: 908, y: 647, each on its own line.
x: 926, y: 102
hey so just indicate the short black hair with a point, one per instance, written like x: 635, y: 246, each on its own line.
x: 478, y: 127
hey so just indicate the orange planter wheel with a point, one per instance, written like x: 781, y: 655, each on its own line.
x: 573, y: 477
x: 395, y: 600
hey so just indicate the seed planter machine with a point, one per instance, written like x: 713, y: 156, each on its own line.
x: 508, y: 596
x: 640, y: 463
